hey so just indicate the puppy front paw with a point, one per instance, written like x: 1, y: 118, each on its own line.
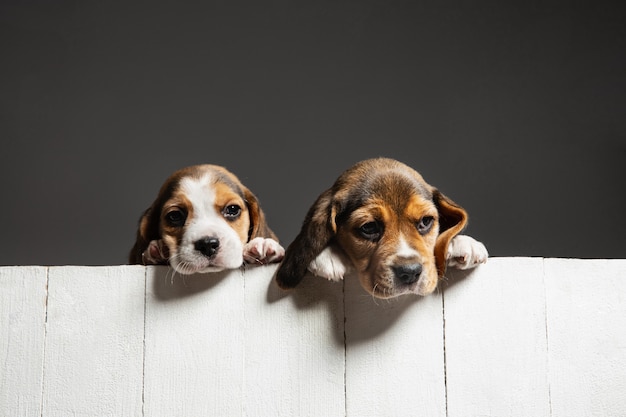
x: 465, y: 252
x: 157, y: 253
x: 263, y: 251
x: 330, y: 264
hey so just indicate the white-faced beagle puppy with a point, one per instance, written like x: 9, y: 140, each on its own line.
x: 383, y: 220
x: 204, y: 220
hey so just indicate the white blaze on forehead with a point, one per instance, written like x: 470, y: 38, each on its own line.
x: 199, y: 192
x: 206, y: 220
x: 201, y: 195
x: 404, y: 250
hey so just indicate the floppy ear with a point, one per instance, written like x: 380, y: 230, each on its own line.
x: 317, y: 231
x: 147, y: 231
x: 258, y: 225
x: 452, y: 220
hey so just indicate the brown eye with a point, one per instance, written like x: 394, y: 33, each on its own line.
x: 232, y: 211
x: 371, y: 230
x: 425, y: 224
x: 176, y: 218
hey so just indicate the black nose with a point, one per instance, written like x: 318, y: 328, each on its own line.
x: 408, y: 274
x: 207, y: 245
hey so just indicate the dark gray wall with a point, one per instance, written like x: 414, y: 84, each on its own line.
x: 518, y: 112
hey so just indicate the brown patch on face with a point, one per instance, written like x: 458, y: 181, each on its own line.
x: 150, y: 224
x: 420, y: 210
x: 400, y: 244
x: 367, y: 253
x: 171, y: 231
x: 227, y: 201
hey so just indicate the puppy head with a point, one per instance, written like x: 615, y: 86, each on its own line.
x: 203, y: 215
x: 392, y: 226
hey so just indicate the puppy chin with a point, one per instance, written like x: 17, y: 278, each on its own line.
x: 199, y: 264
x: 426, y: 285
x: 380, y: 286
x: 387, y: 287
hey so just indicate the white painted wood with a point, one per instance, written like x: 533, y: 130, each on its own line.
x: 194, y: 344
x: 587, y: 336
x: 394, y: 361
x: 523, y: 337
x: 22, y: 331
x: 294, y: 347
x: 94, y: 342
x: 496, y: 349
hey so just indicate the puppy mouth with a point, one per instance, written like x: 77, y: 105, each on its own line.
x: 398, y: 280
x: 212, y: 253
x: 384, y: 291
x: 198, y: 264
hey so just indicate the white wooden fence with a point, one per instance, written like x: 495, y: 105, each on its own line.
x: 516, y: 337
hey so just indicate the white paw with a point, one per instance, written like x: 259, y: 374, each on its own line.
x: 263, y: 251
x: 331, y: 263
x: 465, y: 252
x: 156, y: 253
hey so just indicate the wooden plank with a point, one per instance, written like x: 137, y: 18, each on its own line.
x: 194, y: 344
x: 234, y: 344
x: 587, y: 336
x: 22, y: 332
x: 94, y: 342
x: 496, y: 348
x: 294, y: 347
x: 394, y: 354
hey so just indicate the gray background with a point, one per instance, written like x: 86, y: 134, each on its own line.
x: 515, y: 110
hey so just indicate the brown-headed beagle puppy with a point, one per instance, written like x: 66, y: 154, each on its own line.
x: 204, y: 220
x: 383, y: 220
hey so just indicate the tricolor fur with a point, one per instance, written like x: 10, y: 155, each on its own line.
x: 204, y: 220
x: 382, y: 220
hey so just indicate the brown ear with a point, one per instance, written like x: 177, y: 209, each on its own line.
x: 317, y: 231
x: 452, y: 220
x: 147, y: 231
x: 258, y: 225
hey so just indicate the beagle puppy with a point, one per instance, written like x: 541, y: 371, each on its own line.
x: 204, y: 220
x: 382, y: 220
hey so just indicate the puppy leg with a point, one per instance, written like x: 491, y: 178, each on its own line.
x: 465, y: 252
x: 331, y: 264
x: 263, y: 251
x: 157, y: 253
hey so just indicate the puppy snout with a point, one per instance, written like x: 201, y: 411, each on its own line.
x: 408, y: 274
x: 207, y: 245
